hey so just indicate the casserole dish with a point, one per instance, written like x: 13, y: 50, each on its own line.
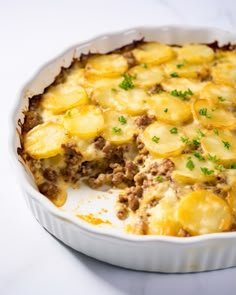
x: 99, y: 240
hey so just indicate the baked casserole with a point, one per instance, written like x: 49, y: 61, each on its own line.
x: 155, y: 121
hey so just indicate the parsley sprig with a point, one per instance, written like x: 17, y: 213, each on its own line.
x: 181, y: 94
x: 127, y: 82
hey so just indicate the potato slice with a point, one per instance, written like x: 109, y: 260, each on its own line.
x: 211, y: 117
x: 146, y: 76
x: 109, y: 65
x: 86, y: 121
x: 189, y: 169
x: 222, y: 145
x: 170, y: 109
x: 202, y: 212
x: 185, y: 70
x: 219, y: 94
x: 183, y: 84
x: 64, y: 96
x: 153, y: 53
x: 45, y: 140
x: 161, y: 141
x: 196, y: 53
x: 163, y: 219
x: 224, y: 73
x: 132, y: 102
x: 120, y: 128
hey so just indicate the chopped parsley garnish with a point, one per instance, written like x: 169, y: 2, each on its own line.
x: 122, y: 120
x: 155, y: 139
x: 181, y: 94
x: 144, y: 65
x: 212, y: 158
x: 67, y: 114
x: 203, y: 112
x: 174, y: 130
x: 127, y: 82
x: 179, y: 66
x: 219, y: 167
x: 226, y: 144
x: 232, y: 166
x: 200, y: 133
x: 116, y: 130
x: 144, y: 101
x: 165, y: 110
x: 199, y: 156
x: 190, y: 165
x: 159, y: 178
x: 206, y: 171
x: 184, y: 139
x: 195, y: 141
x: 221, y: 98
x: 216, y: 131
x: 174, y: 75
x: 113, y: 89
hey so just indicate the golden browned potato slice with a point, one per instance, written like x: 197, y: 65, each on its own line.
x: 62, y: 97
x: 202, y: 212
x: 196, y: 53
x: 45, y: 140
x: 86, y: 121
x: 210, y: 116
x: 185, y: 70
x: 120, y: 128
x: 163, y: 140
x: 190, y: 169
x: 183, y: 84
x: 170, y: 109
x: 163, y: 220
x: 109, y: 65
x: 219, y: 94
x: 223, y: 145
x: 146, y: 76
x: 224, y: 73
x: 153, y: 53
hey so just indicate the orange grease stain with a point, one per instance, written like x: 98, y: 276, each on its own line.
x: 90, y: 218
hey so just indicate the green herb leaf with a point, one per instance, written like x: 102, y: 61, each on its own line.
x: 216, y: 131
x: 182, y: 95
x: 195, y: 141
x: 206, y: 171
x: 144, y: 65
x: 165, y: 110
x: 212, y: 158
x: 155, y: 139
x: 116, y: 130
x: 232, y: 166
x: 190, y: 165
x: 221, y: 98
x: 67, y: 114
x: 203, y: 112
x: 113, y: 89
x: 200, y: 133
x: 174, y: 75
x: 174, y: 130
x: 122, y: 120
x: 159, y: 178
x: 127, y: 82
x: 226, y: 144
x: 198, y: 155
x: 219, y: 167
x: 184, y: 139
x: 179, y: 66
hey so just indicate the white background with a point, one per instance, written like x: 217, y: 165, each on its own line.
x: 31, y: 33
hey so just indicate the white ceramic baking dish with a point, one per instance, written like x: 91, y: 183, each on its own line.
x: 109, y: 243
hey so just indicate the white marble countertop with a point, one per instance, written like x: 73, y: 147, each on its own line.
x: 32, y: 32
